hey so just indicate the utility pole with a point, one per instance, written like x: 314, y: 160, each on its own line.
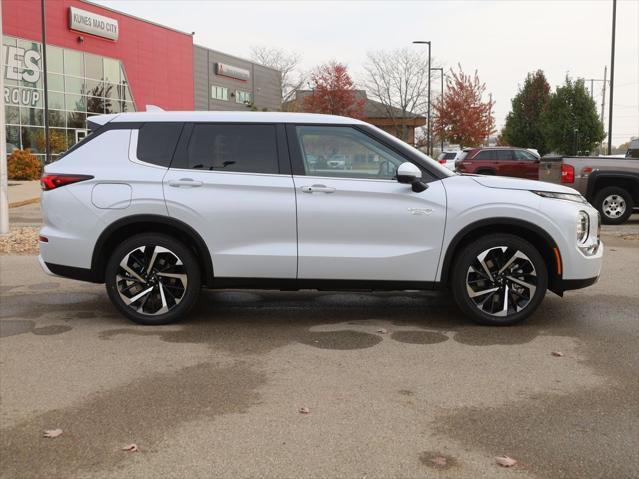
x: 603, y: 95
x: 612, y: 73
x: 4, y: 186
x: 429, y: 133
x: 47, y: 145
x: 441, y: 97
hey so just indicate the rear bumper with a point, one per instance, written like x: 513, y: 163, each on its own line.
x: 71, y: 272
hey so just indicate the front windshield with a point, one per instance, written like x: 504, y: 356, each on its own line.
x: 433, y: 163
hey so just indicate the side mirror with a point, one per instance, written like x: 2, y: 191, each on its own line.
x: 410, y: 174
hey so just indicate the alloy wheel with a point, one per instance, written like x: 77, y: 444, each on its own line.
x: 151, y: 280
x: 614, y: 206
x: 501, y: 281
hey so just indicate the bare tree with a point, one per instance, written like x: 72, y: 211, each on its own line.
x: 398, y: 79
x: 286, y: 63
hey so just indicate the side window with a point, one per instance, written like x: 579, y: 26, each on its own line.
x: 485, y: 155
x: 504, y: 155
x: 237, y: 148
x: 345, y: 152
x: 522, y: 155
x: 157, y: 141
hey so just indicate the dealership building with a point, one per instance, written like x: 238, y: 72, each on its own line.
x: 103, y: 61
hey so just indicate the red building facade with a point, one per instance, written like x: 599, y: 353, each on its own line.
x: 98, y: 61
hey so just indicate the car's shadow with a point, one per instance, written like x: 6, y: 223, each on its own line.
x: 258, y: 321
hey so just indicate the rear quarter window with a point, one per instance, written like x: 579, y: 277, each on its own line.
x: 157, y: 142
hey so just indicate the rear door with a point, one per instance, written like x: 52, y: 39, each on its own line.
x: 357, y: 222
x: 232, y: 184
x: 506, y: 163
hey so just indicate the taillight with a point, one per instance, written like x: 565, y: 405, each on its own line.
x: 567, y: 174
x: 53, y: 181
x: 442, y: 162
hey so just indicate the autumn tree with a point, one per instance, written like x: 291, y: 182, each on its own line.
x: 333, y: 92
x: 287, y: 63
x: 462, y: 116
x: 570, y: 122
x: 523, y: 123
x: 399, y: 81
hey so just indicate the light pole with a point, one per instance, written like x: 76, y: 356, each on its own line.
x: 612, y: 73
x: 47, y: 146
x: 429, y: 132
x: 4, y: 194
x: 441, y: 70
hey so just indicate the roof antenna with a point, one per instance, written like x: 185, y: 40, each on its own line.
x: 153, y: 108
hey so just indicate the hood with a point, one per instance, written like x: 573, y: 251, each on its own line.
x: 508, y: 183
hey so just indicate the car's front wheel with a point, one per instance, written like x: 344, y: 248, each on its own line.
x: 153, y: 279
x: 499, y: 279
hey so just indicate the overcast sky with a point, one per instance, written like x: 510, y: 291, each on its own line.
x: 503, y: 40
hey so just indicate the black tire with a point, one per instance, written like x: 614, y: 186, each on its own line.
x: 486, y: 172
x: 167, y: 293
x: 521, y: 302
x: 610, y: 201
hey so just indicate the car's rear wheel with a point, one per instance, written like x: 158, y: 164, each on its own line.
x: 499, y: 279
x: 614, y: 204
x: 486, y: 172
x: 153, y: 279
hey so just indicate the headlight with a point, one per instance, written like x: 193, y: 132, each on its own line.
x: 583, y: 226
x: 561, y: 196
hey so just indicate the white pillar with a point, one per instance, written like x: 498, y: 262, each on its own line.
x: 4, y: 193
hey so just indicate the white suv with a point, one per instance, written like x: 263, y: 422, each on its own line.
x: 158, y: 204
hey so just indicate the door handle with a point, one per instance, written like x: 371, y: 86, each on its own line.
x: 317, y: 189
x: 185, y: 182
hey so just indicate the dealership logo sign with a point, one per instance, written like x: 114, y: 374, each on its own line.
x: 21, y: 65
x: 89, y: 22
x: 232, y: 72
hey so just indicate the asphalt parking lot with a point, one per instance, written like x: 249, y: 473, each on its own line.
x: 391, y: 380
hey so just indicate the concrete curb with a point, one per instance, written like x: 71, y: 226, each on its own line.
x: 24, y: 202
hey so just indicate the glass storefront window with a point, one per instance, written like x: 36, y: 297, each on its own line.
x: 33, y: 138
x: 31, y: 116
x: 80, y: 85
x: 56, y: 100
x: 55, y: 59
x: 12, y: 115
x: 112, y: 70
x: 55, y: 82
x: 75, y: 102
x: 74, y: 85
x: 13, y: 138
x: 73, y: 63
x: 93, y: 67
x: 57, y: 118
x: 76, y: 119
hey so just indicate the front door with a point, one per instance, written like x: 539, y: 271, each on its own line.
x: 355, y: 221
x: 226, y: 183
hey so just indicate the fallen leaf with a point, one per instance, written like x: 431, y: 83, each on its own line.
x: 382, y: 331
x: 305, y: 410
x: 131, y: 448
x: 558, y: 354
x: 505, y: 461
x: 53, y: 433
x: 439, y: 461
